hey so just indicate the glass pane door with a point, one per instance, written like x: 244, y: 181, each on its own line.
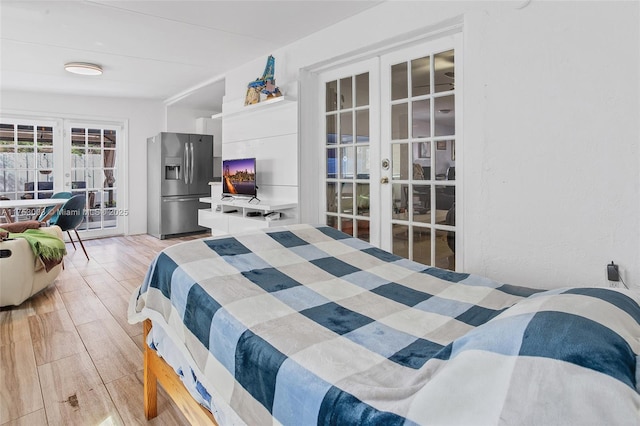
x: 36, y: 161
x: 418, y: 137
x: 350, y: 150
x: 394, y: 185
x: 93, y: 156
x: 27, y: 166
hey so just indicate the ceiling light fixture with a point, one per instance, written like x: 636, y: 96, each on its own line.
x: 83, y: 68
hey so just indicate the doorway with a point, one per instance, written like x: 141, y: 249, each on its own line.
x: 390, y: 149
x: 40, y: 157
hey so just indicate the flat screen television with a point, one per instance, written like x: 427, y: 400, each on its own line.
x: 239, y: 177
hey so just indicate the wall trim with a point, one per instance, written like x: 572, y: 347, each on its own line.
x: 421, y: 35
x: 191, y: 90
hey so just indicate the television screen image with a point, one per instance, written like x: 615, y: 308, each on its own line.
x: 239, y: 177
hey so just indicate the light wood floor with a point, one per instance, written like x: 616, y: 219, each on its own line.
x: 68, y: 356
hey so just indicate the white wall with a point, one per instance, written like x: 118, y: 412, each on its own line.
x: 211, y: 126
x: 180, y: 119
x: 550, y: 146
x: 144, y: 119
x: 550, y: 135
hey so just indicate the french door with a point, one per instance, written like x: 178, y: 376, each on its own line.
x: 394, y: 184
x: 27, y: 159
x: 92, y: 168
x: 350, y: 141
x: 40, y: 157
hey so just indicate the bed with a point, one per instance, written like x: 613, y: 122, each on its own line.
x: 305, y: 325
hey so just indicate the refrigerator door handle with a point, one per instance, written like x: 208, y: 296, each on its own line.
x: 188, y: 154
x: 186, y: 163
x: 191, y: 166
x: 173, y: 200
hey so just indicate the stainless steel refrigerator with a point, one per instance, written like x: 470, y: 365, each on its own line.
x: 179, y: 169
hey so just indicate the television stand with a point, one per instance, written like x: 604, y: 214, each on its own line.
x: 228, y: 216
x: 232, y: 198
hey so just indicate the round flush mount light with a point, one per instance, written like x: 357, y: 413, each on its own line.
x: 83, y: 68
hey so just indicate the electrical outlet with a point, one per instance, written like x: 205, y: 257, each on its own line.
x: 613, y: 274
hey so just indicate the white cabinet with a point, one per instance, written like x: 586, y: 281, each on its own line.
x: 233, y: 216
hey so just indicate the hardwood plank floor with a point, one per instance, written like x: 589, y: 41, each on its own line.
x: 68, y: 355
x: 19, y: 387
x: 75, y: 394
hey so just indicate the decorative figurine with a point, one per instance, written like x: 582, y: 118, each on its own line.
x: 266, y: 84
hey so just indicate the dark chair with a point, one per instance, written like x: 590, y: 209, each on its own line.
x: 451, y: 220
x: 71, y: 216
x: 451, y: 173
x: 426, y: 171
x: 423, y: 194
x: 46, y: 211
x: 42, y: 186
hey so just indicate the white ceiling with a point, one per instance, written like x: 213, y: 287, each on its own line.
x: 149, y: 49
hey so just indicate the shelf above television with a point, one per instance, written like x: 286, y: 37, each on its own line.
x: 281, y: 100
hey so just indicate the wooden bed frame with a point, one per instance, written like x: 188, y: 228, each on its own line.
x: 157, y: 370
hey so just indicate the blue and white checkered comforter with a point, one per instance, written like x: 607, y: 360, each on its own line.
x: 304, y: 325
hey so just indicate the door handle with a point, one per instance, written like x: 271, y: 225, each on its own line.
x: 186, y: 163
x: 384, y: 180
x: 173, y: 200
x: 191, y: 165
